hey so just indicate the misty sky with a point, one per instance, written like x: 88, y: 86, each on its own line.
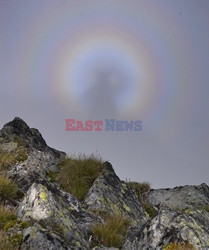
x: 126, y: 60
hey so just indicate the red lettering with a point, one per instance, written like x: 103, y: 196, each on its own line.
x: 89, y: 125
x: 79, y: 126
x: 69, y: 123
x: 98, y: 123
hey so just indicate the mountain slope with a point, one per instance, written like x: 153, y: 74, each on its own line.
x: 111, y: 214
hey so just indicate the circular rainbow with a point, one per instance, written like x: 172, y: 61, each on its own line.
x: 64, y: 43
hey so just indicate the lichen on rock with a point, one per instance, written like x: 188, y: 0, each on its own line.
x: 171, y: 226
x: 109, y: 194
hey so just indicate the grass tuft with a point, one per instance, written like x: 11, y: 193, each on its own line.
x: 6, y: 243
x: 149, y: 208
x: 205, y: 208
x: 179, y: 246
x: 8, y: 188
x: 6, y: 215
x: 77, y: 175
x: 139, y: 188
x: 111, y: 233
x: 7, y: 159
x: 10, y: 224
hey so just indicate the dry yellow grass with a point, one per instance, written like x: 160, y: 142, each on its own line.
x: 6, y: 215
x: 7, y: 159
x: 8, y: 188
x: 179, y: 246
x: 111, y: 232
x: 6, y: 244
x: 77, y: 175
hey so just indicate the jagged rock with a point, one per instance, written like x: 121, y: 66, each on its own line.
x: 35, y: 167
x: 171, y: 226
x: 57, y: 211
x: 180, y: 198
x: 40, y: 157
x: 36, y: 237
x: 105, y: 248
x: 111, y: 195
x: 31, y: 136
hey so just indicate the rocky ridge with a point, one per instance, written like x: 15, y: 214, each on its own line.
x: 55, y: 219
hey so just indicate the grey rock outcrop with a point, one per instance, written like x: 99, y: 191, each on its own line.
x: 109, y: 194
x: 37, y: 237
x: 40, y: 157
x: 171, y: 226
x: 31, y: 137
x: 181, y: 198
x: 58, y: 213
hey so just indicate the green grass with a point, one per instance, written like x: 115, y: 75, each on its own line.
x: 25, y: 224
x: 16, y: 239
x: 6, y: 215
x: 206, y: 208
x: 77, y: 175
x: 10, y: 224
x: 179, y: 246
x: 8, y: 189
x: 139, y: 188
x: 8, y: 219
x: 149, y: 208
x: 52, y: 176
x: 7, y: 159
x: 6, y: 243
x: 110, y: 233
x: 18, y: 154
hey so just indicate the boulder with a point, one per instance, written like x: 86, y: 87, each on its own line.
x: 171, y: 226
x: 57, y: 212
x: 36, y: 237
x: 111, y: 195
x: 181, y: 198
